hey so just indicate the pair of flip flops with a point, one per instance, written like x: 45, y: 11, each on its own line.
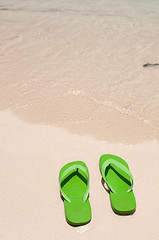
x: 74, y: 188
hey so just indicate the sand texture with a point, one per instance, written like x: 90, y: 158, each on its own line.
x: 73, y: 87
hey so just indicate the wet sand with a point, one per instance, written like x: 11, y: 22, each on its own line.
x: 65, y: 64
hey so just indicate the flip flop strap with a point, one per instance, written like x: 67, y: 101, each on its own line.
x: 121, y: 167
x: 65, y: 173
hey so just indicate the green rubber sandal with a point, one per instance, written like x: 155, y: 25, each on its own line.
x: 116, y: 174
x: 74, y: 187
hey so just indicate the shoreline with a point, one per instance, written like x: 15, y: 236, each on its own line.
x: 87, y: 118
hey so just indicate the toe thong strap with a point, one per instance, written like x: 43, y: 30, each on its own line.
x: 121, y: 167
x: 70, y: 170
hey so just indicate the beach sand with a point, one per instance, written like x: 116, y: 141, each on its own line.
x: 30, y: 203
x: 73, y: 87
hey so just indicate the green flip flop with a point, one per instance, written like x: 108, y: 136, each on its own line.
x: 116, y: 174
x: 74, y: 188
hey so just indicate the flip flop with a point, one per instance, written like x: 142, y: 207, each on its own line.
x: 116, y: 174
x: 74, y: 187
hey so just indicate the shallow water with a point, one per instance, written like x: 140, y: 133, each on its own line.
x: 65, y: 62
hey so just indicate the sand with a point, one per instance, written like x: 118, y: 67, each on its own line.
x: 30, y: 203
x: 73, y: 87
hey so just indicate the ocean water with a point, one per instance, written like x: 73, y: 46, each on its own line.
x: 65, y: 61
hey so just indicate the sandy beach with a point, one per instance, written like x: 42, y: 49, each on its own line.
x: 30, y: 203
x: 73, y: 87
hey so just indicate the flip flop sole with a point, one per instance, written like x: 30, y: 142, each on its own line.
x: 122, y: 202
x: 77, y: 211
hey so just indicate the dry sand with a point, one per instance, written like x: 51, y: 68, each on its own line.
x: 73, y: 87
x: 30, y: 204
